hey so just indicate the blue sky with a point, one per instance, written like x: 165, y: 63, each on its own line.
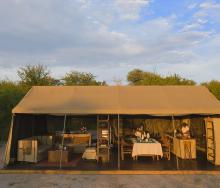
x: 111, y: 37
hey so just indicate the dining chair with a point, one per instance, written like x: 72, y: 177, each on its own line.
x: 126, y: 148
x: 165, y: 147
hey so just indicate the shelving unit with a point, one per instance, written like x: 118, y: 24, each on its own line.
x: 103, y: 138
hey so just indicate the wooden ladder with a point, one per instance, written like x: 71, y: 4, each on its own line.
x: 210, y: 140
x: 103, y: 138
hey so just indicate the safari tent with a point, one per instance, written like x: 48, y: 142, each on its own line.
x: 46, y: 107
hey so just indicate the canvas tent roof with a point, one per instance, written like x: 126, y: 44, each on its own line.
x: 151, y: 100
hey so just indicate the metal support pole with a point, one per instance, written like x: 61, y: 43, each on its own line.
x: 177, y: 160
x: 119, y: 162
x: 64, y: 128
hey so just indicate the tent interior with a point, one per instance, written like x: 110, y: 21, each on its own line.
x: 45, y: 141
x: 115, y: 127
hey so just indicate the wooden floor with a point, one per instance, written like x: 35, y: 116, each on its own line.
x: 143, y: 164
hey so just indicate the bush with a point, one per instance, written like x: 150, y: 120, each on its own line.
x: 139, y: 77
x: 37, y: 75
x: 214, y: 87
x: 10, y: 94
x: 81, y: 78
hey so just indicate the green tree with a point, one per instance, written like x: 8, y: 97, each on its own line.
x: 36, y: 75
x: 175, y: 79
x: 10, y: 94
x: 139, y: 77
x: 214, y: 87
x: 135, y: 77
x: 152, y: 79
x: 80, y: 78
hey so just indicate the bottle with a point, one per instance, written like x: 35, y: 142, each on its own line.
x: 175, y: 133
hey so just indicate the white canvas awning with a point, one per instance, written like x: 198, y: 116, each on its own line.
x: 151, y: 100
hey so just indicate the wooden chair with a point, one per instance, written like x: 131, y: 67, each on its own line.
x: 165, y: 147
x: 126, y: 148
x: 187, y: 149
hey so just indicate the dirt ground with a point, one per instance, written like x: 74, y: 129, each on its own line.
x: 110, y: 181
x: 107, y: 181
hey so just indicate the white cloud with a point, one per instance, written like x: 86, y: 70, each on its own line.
x: 130, y: 9
x: 105, y: 38
x: 202, y: 21
x: 192, y: 26
x: 192, y: 6
x: 209, y: 11
x: 209, y: 5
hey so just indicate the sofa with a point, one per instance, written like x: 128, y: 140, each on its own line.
x: 34, y: 149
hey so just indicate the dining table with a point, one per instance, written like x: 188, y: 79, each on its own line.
x: 150, y: 147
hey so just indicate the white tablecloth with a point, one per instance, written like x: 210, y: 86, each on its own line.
x: 147, y: 149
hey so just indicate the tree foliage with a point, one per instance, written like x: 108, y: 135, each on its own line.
x: 214, y: 87
x: 139, y: 77
x: 10, y: 94
x: 175, y: 79
x: 36, y: 75
x: 80, y: 78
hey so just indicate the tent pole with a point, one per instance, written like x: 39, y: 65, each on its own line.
x: 173, y: 123
x: 119, y: 162
x: 64, y: 128
x: 7, y: 156
x: 177, y: 160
